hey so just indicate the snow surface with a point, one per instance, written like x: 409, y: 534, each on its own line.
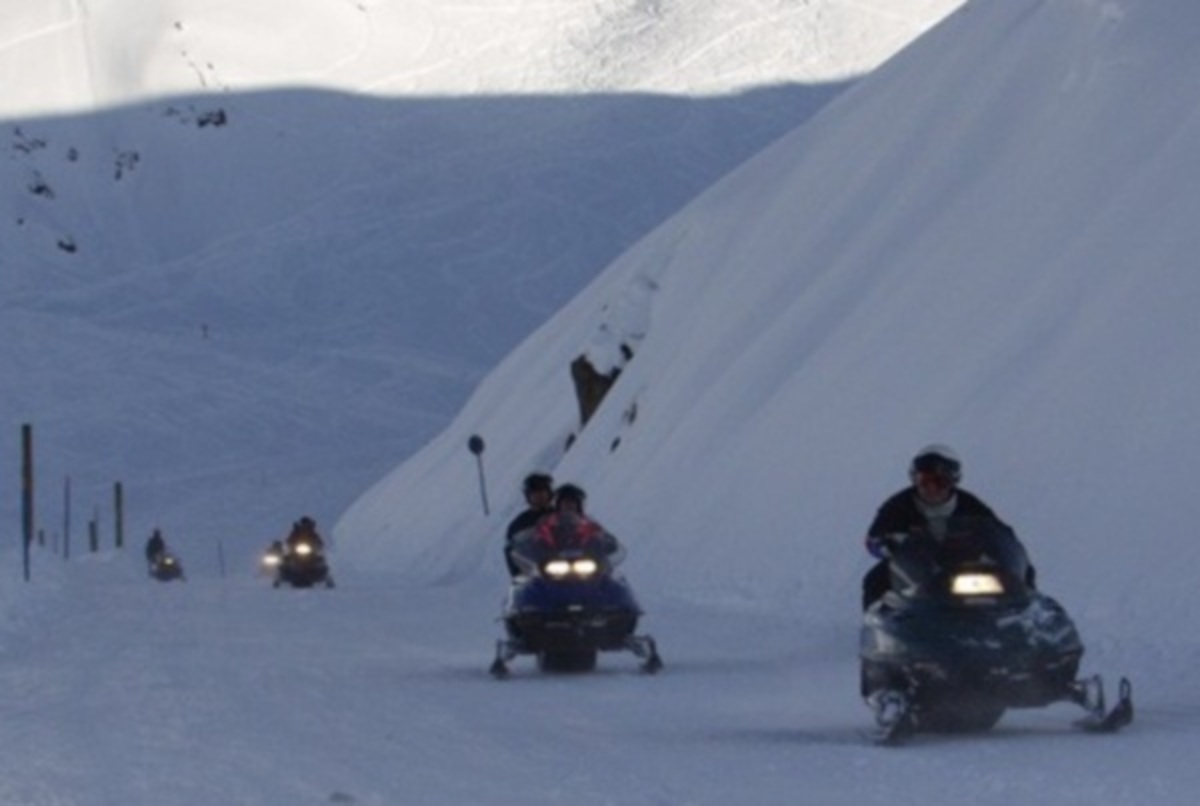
x: 983, y: 242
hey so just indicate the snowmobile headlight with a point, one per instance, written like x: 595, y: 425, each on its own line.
x: 304, y: 549
x: 271, y: 560
x: 976, y: 584
x: 557, y: 568
x: 585, y: 567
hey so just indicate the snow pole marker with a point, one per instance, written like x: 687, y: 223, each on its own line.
x: 475, y: 445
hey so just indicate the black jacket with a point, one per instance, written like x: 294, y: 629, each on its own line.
x: 523, y: 522
x: 526, y: 520
x: 900, y: 513
x: 155, y: 547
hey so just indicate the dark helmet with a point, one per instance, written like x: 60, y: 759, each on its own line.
x: 538, y: 482
x: 938, y: 459
x: 570, y: 492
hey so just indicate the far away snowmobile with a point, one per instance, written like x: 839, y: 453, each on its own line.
x: 268, y: 563
x: 165, y: 567
x: 962, y: 637
x: 566, y: 606
x: 302, y: 565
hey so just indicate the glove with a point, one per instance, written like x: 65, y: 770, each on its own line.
x: 883, y: 546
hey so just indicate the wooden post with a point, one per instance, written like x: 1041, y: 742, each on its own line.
x: 94, y: 533
x: 119, y: 514
x: 67, y: 518
x: 27, y: 491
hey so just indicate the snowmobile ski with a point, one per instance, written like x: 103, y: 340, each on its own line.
x: 894, y: 719
x: 1100, y: 719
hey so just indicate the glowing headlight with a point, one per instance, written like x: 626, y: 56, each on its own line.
x: 304, y: 549
x: 976, y: 585
x: 558, y: 568
x: 585, y: 567
x: 270, y: 559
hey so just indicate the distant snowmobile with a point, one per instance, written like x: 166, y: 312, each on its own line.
x: 303, y: 565
x: 961, y: 638
x: 271, y: 558
x: 567, y: 606
x: 166, y: 567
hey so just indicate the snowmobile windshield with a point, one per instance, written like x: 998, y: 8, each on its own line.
x: 969, y: 543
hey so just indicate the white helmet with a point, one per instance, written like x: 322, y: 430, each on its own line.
x: 937, y: 458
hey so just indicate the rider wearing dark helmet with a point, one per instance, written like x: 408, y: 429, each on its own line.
x: 928, y: 506
x: 539, y: 498
x: 569, y: 498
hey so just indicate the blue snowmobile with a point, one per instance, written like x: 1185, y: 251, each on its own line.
x: 567, y: 604
x: 962, y: 636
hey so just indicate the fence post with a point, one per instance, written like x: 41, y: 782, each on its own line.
x: 119, y: 513
x: 67, y: 518
x: 27, y: 492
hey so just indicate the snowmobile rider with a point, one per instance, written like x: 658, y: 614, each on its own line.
x: 539, y: 498
x: 569, y: 498
x: 304, y: 531
x: 927, y: 506
x: 156, y: 547
x: 568, y: 527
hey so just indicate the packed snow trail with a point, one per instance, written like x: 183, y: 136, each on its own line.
x: 120, y: 689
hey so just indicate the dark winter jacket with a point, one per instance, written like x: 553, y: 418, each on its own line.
x: 900, y: 513
x: 522, y: 523
x: 526, y: 520
x: 155, y: 547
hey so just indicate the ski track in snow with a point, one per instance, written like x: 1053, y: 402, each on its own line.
x: 230, y: 691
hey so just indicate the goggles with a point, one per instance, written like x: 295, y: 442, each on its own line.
x: 934, y: 465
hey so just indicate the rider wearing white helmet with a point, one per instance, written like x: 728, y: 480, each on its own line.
x: 926, y: 506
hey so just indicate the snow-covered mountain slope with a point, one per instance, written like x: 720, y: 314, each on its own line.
x: 72, y: 55
x: 986, y: 242
x: 274, y: 248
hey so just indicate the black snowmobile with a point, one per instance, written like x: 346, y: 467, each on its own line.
x: 962, y: 637
x: 165, y: 567
x: 568, y: 605
x: 302, y: 565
